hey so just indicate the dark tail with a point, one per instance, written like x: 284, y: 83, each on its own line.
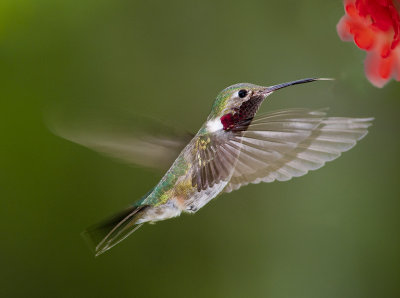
x: 103, y: 236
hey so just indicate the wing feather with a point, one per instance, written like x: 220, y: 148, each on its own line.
x: 290, y: 143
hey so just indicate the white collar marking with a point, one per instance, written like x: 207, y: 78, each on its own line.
x: 214, y: 124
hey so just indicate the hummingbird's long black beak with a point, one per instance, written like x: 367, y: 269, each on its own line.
x: 302, y: 81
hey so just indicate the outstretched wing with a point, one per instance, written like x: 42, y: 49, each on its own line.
x: 132, y: 139
x: 286, y: 144
x: 217, y: 156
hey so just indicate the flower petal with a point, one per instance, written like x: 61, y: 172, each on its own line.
x: 372, y: 69
x: 385, y: 67
x: 343, y: 29
x: 364, y: 38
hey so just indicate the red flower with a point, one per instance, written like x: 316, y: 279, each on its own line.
x: 374, y: 25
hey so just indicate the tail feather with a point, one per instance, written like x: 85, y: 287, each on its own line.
x: 103, y: 236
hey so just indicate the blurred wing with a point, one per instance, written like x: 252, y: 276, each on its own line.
x: 286, y: 144
x: 131, y: 139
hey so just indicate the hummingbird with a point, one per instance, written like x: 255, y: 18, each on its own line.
x: 233, y: 148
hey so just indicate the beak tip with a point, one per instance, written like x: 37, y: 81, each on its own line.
x: 325, y: 79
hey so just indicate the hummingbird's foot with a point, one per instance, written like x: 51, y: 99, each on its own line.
x: 192, y: 209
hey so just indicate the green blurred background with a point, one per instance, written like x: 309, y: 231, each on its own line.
x: 331, y: 233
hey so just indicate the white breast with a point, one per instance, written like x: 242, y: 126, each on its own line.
x: 214, y: 125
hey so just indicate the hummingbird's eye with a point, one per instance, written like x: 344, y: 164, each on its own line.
x: 242, y: 93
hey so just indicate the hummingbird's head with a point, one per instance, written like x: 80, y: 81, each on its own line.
x: 234, y: 102
x: 236, y: 105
